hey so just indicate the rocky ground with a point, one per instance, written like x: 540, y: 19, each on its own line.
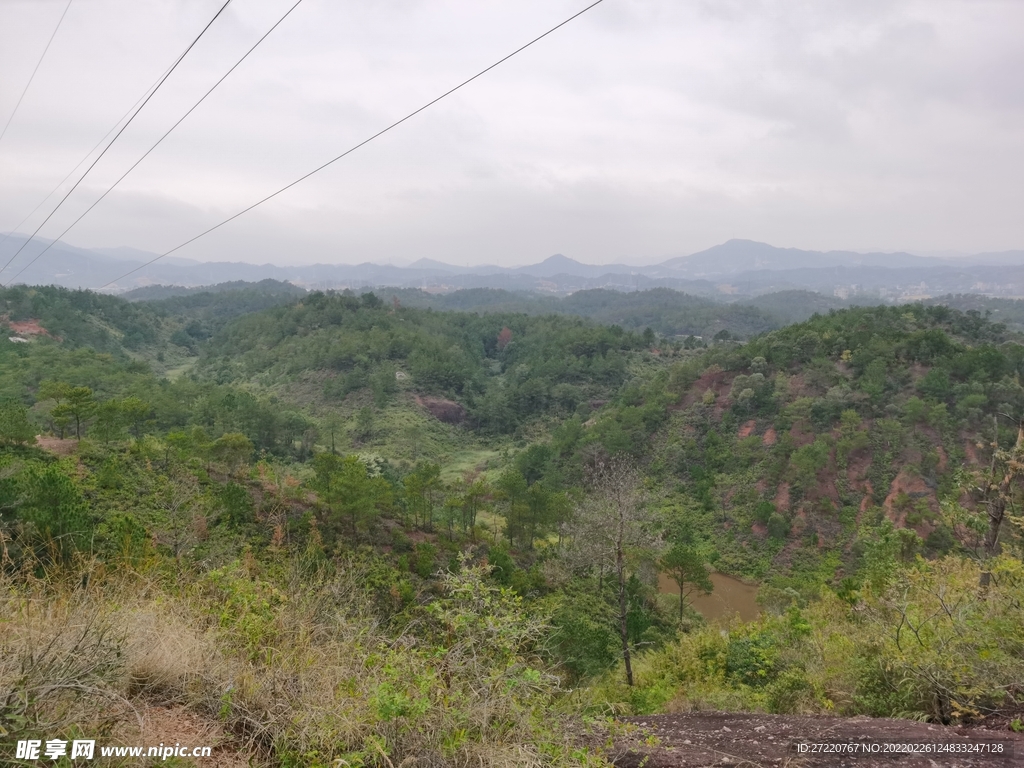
x: 699, y: 739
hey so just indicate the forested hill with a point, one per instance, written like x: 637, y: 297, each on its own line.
x: 877, y: 451
x: 163, y: 329
x: 391, y: 530
x: 265, y: 287
x: 1009, y: 312
x: 666, y: 311
x: 800, y: 441
x: 501, y: 370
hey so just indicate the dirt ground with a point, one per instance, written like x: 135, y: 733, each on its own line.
x: 699, y: 739
x: 56, y: 445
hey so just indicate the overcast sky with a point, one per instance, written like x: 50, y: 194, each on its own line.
x: 644, y: 129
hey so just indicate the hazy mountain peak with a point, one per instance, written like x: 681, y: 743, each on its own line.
x: 559, y: 260
x: 739, y: 255
x: 433, y: 264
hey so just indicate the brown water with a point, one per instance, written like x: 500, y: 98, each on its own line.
x: 729, y: 597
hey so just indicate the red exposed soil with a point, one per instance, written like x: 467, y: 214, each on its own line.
x: 747, y: 429
x: 718, y: 381
x: 769, y: 437
x: 704, y: 739
x: 25, y: 327
x: 798, y: 387
x: 971, y: 453
x: 825, y: 488
x: 857, y: 465
x: 443, y: 410
x: 782, y: 498
x: 914, y: 487
x: 802, y: 437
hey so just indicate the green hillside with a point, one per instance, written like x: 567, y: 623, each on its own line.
x: 668, y: 312
x: 386, y: 531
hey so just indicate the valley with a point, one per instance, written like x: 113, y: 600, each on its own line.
x: 495, y: 528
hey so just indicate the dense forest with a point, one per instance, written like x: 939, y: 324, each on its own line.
x: 663, y: 310
x: 668, y: 312
x: 362, y: 530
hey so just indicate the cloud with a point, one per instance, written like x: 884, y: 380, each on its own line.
x: 643, y: 129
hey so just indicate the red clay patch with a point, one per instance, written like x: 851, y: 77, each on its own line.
x: 25, y: 327
x: 914, y: 487
x: 747, y: 429
x: 718, y: 381
x: 800, y: 437
x: 447, y: 411
x: 770, y: 437
x: 857, y: 465
x: 971, y: 452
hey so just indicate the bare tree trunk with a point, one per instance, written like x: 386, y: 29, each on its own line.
x: 996, y: 513
x: 623, y: 613
x: 611, y: 528
x: 997, y: 505
x: 620, y: 567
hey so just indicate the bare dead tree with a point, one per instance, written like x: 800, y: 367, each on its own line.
x: 180, y: 500
x: 997, y: 495
x: 613, y: 528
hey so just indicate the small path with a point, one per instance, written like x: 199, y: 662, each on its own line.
x: 704, y: 739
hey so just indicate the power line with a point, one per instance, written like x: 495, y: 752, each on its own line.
x: 33, y: 75
x: 357, y: 146
x: 79, y: 164
x: 123, y: 127
x: 158, y: 142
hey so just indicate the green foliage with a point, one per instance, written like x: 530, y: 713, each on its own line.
x: 82, y: 318
x: 582, y: 640
x: 15, y: 427
x: 793, y: 434
x: 687, y: 566
x: 349, y: 491
x: 550, y: 365
x: 235, y: 504
x: 233, y: 449
x: 662, y: 310
x: 54, y: 513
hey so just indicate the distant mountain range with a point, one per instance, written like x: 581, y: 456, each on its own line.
x: 734, y: 268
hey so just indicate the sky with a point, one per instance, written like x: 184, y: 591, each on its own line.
x: 643, y: 130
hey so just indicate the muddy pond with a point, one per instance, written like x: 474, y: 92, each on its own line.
x: 729, y: 597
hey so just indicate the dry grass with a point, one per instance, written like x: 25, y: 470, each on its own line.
x: 295, y: 672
